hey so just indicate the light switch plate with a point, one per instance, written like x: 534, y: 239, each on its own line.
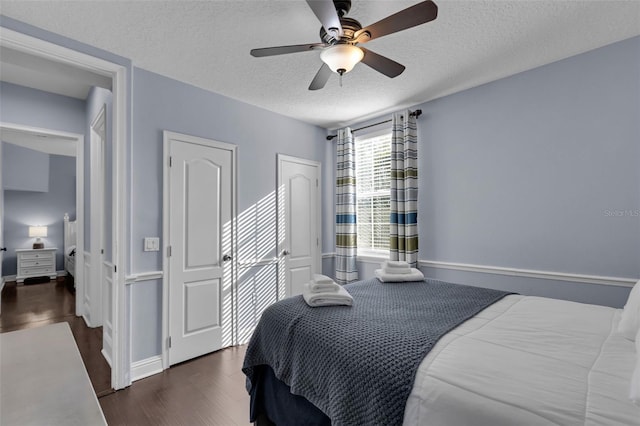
x: 152, y: 244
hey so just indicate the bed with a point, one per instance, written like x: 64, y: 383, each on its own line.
x: 69, y: 245
x: 518, y: 360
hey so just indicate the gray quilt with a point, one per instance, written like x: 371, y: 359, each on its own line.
x: 357, y: 364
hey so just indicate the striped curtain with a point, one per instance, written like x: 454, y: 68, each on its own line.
x: 403, y: 242
x: 346, y: 231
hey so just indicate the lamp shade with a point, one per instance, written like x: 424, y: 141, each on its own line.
x: 341, y: 58
x: 37, y: 231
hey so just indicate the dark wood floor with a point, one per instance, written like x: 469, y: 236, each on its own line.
x: 204, y: 391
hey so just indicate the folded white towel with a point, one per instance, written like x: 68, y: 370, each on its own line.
x: 322, y: 285
x: 319, y: 278
x: 396, y: 264
x: 391, y: 270
x: 331, y: 298
x: 414, y: 275
x: 396, y: 267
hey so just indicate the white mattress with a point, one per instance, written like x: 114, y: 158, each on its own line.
x: 528, y: 361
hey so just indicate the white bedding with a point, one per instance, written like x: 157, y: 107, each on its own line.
x: 70, y: 237
x: 528, y: 361
x: 70, y: 265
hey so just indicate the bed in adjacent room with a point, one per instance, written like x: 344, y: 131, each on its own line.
x: 70, y: 245
x: 433, y: 353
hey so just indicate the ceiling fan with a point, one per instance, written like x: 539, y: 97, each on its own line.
x: 341, y: 35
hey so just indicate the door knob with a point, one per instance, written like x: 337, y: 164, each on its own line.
x: 285, y: 252
x: 226, y: 258
x: 3, y: 249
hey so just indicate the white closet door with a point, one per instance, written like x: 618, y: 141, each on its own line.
x: 200, y: 236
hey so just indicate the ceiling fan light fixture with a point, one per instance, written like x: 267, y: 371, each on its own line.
x: 341, y: 58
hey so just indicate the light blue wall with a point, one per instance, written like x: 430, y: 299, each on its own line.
x: 521, y: 172
x: 529, y: 172
x: 22, y: 105
x: 161, y: 104
x: 25, y: 208
x: 156, y: 103
x: 146, y: 319
x: 31, y: 107
x: 98, y: 98
x: 472, y: 196
x: 36, y: 32
x: 27, y: 170
x: 164, y: 104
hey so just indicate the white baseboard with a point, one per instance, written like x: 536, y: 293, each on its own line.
x: 146, y: 367
x: 530, y: 273
x: 11, y: 278
x: 106, y: 357
x: 84, y: 317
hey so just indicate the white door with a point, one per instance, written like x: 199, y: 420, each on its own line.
x: 201, y: 198
x: 93, y: 292
x: 2, y: 247
x: 299, y: 221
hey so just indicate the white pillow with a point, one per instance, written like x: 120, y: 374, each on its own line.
x: 630, y: 319
x: 634, y: 393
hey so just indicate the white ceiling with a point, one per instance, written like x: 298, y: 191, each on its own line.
x: 207, y: 43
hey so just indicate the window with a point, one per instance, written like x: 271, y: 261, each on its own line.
x: 373, y: 185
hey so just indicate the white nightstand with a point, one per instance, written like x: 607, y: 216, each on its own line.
x: 36, y: 263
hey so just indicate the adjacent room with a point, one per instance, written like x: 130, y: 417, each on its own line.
x: 320, y: 212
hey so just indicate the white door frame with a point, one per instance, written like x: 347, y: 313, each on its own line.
x: 166, y: 243
x: 121, y: 360
x: 97, y: 145
x: 279, y: 214
x: 1, y: 228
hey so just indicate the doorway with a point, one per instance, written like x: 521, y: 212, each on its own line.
x: 116, y: 75
x: 51, y: 300
x: 43, y: 143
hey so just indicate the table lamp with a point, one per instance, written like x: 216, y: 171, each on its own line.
x: 37, y: 232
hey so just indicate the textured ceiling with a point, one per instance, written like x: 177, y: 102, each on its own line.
x: 207, y: 43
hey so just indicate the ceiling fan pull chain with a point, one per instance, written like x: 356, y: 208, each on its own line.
x: 340, y: 80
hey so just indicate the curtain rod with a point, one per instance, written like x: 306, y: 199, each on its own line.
x: 417, y: 113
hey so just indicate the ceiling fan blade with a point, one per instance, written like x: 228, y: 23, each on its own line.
x: 408, y: 18
x: 321, y: 77
x: 281, y: 50
x: 326, y: 12
x: 382, y: 64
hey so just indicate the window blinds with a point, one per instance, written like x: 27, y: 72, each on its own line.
x: 373, y: 184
